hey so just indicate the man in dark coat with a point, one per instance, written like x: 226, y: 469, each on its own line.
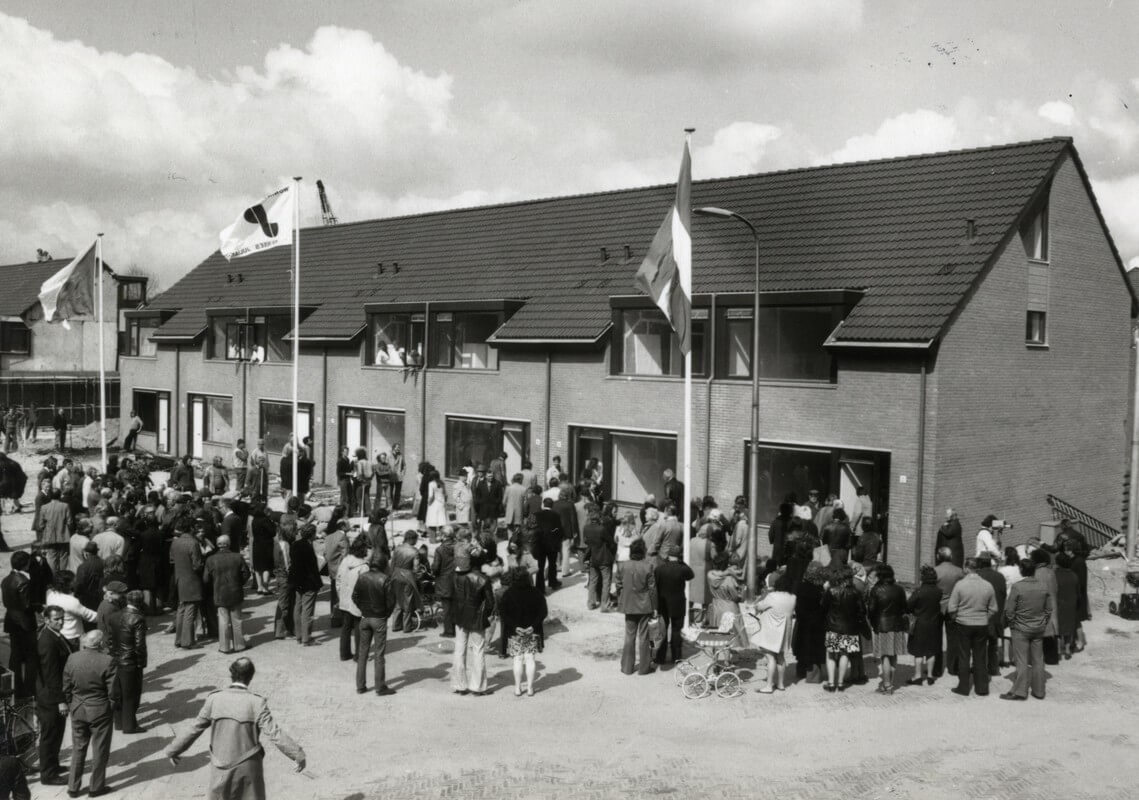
x: 186, y: 557
x: 443, y: 565
x: 374, y: 594
x: 88, y: 681
x: 487, y: 497
x: 89, y: 577
x: 997, y: 624
x: 403, y: 579
x: 602, y: 553
x: 12, y: 483
x: 227, y: 572
x: 232, y: 523
x: 128, y: 650
x: 672, y: 575
x: 20, y: 623
x: 52, y: 653
x: 547, y: 544
x: 949, y: 536
x: 571, y: 530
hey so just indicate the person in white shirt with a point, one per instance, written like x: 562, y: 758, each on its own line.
x: 989, y: 539
x: 61, y: 594
x: 555, y: 490
x: 555, y: 471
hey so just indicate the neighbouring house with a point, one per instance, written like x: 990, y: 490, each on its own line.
x: 940, y: 330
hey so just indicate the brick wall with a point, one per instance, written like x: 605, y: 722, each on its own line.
x: 1015, y: 423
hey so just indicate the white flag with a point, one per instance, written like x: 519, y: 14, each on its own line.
x: 70, y: 292
x: 260, y: 227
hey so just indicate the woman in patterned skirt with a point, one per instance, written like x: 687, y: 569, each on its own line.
x: 887, y: 611
x: 522, y: 610
x: 845, y: 615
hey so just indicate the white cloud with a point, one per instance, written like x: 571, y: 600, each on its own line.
x: 695, y: 35
x: 1059, y: 112
x: 1119, y: 200
x: 921, y: 131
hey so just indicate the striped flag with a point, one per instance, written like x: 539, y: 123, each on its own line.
x: 666, y: 273
x: 70, y: 292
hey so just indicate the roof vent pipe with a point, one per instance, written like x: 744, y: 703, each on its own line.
x: 628, y: 252
x: 395, y: 267
x: 604, y: 254
x: 970, y: 229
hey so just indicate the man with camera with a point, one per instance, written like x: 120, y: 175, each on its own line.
x: 989, y: 537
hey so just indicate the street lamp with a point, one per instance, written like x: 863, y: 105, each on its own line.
x: 753, y: 477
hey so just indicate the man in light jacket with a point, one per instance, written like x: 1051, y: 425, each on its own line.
x: 972, y: 604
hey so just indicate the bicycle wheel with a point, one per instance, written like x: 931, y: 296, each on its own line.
x: 695, y: 686
x: 18, y: 738
x: 412, y: 622
x: 728, y: 684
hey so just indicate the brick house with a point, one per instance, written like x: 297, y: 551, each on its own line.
x: 943, y: 330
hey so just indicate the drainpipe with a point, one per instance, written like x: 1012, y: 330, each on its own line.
x: 423, y: 385
x: 711, y: 367
x: 921, y: 469
x: 324, y: 413
x: 244, y: 387
x: 549, y: 395
x: 177, y: 401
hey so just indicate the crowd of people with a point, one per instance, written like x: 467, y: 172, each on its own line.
x: 113, y: 551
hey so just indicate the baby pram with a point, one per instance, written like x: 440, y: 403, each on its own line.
x: 713, y: 668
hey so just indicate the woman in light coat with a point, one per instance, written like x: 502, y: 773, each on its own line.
x: 776, y: 608
x: 350, y: 568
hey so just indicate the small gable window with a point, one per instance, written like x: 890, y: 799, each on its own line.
x: 1034, y: 234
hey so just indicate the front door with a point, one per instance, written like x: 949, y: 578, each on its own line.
x: 197, y: 426
x: 163, y: 444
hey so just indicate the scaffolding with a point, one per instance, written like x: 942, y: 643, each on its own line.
x: 77, y: 394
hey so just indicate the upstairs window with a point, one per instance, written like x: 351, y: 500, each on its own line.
x: 1034, y: 234
x: 139, y: 331
x: 395, y: 339
x: 1036, y: 328
x: 459, y: 339
x: 645, y: 344
x: 257, y: 338
x: 15, y: 338
x: 790, y: 342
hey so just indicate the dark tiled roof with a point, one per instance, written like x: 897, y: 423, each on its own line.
x: 22, y: 284
x: 893, y: 228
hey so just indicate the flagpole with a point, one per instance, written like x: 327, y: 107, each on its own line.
x: 102, y: 369
x: 296, y: 323
x: 687, y: 512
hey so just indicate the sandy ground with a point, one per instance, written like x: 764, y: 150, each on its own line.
x: 591, y: 732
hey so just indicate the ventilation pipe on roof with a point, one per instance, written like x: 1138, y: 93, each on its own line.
x: 604, y: 254
x: 970, y: 229
x: 395, y: 267
x: 628, y: 252
x: 379, y: 268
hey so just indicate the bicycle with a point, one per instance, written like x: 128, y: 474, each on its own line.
x: 18, y: 734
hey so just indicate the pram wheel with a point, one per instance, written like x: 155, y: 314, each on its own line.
x: 412, y: 622
x: 728, y: 684
x: 695, y: 686
x: 1113, y: 607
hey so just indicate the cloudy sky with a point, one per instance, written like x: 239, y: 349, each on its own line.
x: 157, y: 122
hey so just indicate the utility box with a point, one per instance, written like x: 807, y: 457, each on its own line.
x: 1048, y: 531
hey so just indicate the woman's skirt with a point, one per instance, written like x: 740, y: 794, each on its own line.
x: 843, y: 643
x: 889, y: 644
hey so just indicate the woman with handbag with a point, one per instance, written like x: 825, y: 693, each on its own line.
x: 522, y: 611
x: 886, y: 608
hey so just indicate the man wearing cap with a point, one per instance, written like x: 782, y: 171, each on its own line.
x: 88, y: 681
x: 672, y: 575
x: 227, y: 573
x: 186, y: 556
x: 236, y: 718
x: 111, y: 604
x: 127, y: 643
x: 474, y: 605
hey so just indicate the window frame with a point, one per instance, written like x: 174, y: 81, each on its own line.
x: 6, y: 327
x: 1038, y: 225
x: 246, y: 332
x: 412, y: 321
x: 499, y: 424
x: 135, y: 339
x: 288, y: 404
x: 729, y: 311
x: 1029, y: 339
x: 700, y: 335
x: 207, y: 411
x: 157, y: 394
x: 441, y: 338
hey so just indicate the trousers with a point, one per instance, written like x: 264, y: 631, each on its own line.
x: 547, y: 567
x: 128, y: 695
x: 598, y: 588
x: 671, y: 647
x: 1028, y: 656
x: 185, y: 624
x: 636, y: 647
x: 51, y: 737
x: 229, y: 629
x: 468, y: 668
x: 374, y: 643
x: 973, y: 658
x: 283, y: 622
x: 305, y: 608
x: 95, y: 732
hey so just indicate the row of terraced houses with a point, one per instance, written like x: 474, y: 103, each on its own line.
x: 943, y: 330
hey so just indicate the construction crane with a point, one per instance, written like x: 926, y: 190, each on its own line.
x: 325, y: 206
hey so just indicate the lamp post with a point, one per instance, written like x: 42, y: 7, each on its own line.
x: 753, y: 476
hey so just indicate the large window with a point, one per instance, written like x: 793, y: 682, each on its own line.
x: 375, y: 431
x: 139, y: 331
x: 257, y: 338
x: 631, y: 464
x: 212, y: 419
x: 15, y: 338
x: 395, y: 340
x: 276, y: 423
x: 479, y: 441
x: 790, y: 342
x: 647, y: 345
x: 458, y: 339
x: 153, y: 408
x: 1034, y: 234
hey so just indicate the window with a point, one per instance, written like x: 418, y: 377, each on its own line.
x: 212, y: 419
x: 395, y: 340
x: 1034, y: 234
x: 276, y: 423
x: 139, y: 331
x: 790, y: 342
x: 131, y: 291
x: 458, y: 339
x: 375, y: 431
x: 15, y: 338
x: 647, y: 344
x: 1036, y: 328
x: 478, y: 441
x: 631, y: 464
x: 257, y: 338
x: 153, y: 408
